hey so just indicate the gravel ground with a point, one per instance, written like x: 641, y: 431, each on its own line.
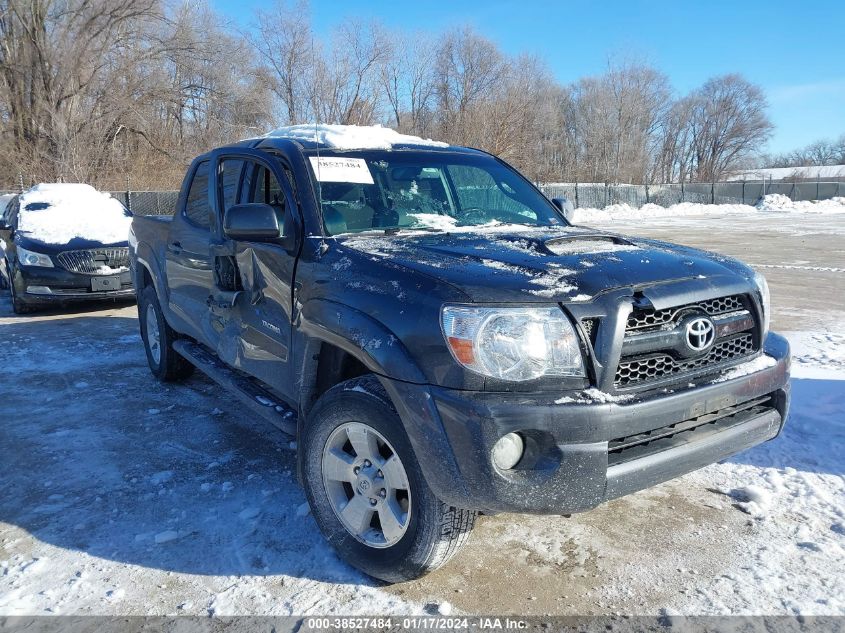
x: 119, y: 495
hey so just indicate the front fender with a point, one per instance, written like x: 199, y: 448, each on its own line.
x: 361, y: 336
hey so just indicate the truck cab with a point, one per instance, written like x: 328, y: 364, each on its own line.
x: 442, y: 342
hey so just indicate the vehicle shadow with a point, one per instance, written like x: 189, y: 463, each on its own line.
x: 813, y: 439
x: 100, y: 458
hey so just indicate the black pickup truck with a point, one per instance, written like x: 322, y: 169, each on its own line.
x: 442, y: 342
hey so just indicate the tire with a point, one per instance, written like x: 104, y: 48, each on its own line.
x: 158, y: 337
x: 18, y: 305
x: 433, y: 531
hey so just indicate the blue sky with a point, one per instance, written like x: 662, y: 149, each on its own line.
x: 794, y: 50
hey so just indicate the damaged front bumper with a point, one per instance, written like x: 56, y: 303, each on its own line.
x: 580, y: 452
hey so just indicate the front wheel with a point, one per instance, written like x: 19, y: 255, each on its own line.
x: 367, y: 491
x: 18, y: 305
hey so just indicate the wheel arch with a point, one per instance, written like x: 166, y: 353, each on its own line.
x: 339, y: 342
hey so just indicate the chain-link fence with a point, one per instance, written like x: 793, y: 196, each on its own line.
x: 596, y: 196
x: 140, y: 202
x: 599, y: 196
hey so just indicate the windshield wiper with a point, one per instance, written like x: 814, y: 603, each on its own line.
x: 393, y: 230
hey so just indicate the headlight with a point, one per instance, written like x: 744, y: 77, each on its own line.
x: 29, y: 258
x: 765, y: 300
x: 513, y: 343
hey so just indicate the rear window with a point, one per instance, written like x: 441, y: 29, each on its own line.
x: 196, y: 206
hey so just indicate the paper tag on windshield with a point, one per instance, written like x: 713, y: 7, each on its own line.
x: 335, y: 169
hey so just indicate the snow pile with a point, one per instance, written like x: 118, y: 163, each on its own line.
x: 780, y: 202
x: 58, y: 213
x: 350, y: 136
x: 771, y: 203
x: 616, y: 212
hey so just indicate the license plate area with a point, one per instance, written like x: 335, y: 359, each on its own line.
x: 102, y: 284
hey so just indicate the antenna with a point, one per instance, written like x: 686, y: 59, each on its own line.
x: 323, y: 246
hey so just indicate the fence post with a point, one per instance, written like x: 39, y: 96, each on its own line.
x: 646, y: 194
x: 683, y: 199
x: 712, y: 193
x: 128, y: 195
x: 743, y: 192
x: 577, y: 205
x: 606, y: 193
x: 817, y: 188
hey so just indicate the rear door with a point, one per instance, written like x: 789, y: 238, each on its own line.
x: 254, y: 302
x: 190, y: 274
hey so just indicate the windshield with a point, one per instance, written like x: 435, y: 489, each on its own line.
x: 398, y: 190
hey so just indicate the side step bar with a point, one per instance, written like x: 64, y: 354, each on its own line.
x: 254, y: 397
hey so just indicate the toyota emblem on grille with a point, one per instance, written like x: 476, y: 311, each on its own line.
x: 700, y: 334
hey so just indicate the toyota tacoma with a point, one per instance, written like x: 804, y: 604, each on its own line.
x: 442, y: 342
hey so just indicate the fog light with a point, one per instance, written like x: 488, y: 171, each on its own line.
x: 508, y: 451
x: 39, y: 290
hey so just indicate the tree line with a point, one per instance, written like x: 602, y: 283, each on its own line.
x: 820, y: 153
x: 104, y: 90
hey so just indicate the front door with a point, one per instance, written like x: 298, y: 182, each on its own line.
x: 255, y: 279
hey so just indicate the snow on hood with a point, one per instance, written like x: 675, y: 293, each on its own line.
x: 350, y: 136
x: 498, y: 263
x: 72, y: 211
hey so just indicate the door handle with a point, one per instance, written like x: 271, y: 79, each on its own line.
x: 175, y: 247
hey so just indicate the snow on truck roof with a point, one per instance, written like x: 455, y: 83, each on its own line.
x: 56, y: 213
x: 343, y: 137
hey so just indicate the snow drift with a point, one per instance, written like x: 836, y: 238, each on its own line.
x: 58, y: 213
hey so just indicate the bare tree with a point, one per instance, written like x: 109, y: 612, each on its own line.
x: 468, y: 68
x: 284, y: 42
x: 407, y: 78
x: 729, y: 122
x: 97, y: 89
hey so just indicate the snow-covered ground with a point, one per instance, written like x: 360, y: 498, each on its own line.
x: 119, y: 495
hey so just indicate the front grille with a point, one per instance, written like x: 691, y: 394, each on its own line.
x: 629, y: 448
x: 645, y: 319
x: 97, y: 261
x: 657, y: 366
x: 654, y: 351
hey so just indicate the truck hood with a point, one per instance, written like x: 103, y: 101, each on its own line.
x: 542, y: 264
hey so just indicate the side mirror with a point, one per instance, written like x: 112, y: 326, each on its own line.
x: 565, y: 207
x: 251, y: 222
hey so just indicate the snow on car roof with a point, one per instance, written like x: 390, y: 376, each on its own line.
x: 62, y: 212
x: 350, y: 136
